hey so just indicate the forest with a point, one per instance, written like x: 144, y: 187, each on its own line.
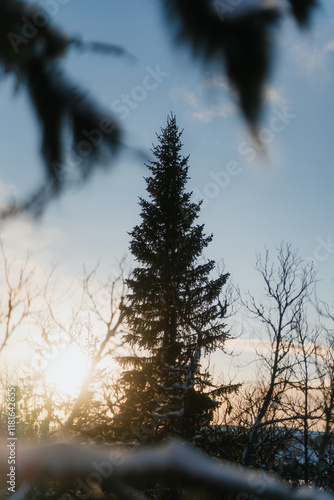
x: 137, y: 382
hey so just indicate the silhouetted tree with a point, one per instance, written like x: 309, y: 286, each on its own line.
x: 287, y: 284
x: 173, y: 311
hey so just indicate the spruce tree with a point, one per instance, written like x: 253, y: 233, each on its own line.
x: 174, y: 312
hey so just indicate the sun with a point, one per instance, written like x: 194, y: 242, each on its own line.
x: 67, y: 370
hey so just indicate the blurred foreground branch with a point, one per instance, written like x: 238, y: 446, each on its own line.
x: 76, y: 134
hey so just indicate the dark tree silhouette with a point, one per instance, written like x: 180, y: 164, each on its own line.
x: 288, y: 285
x: 229, y: 34
x: 30, y: 48
x: 173, y: 311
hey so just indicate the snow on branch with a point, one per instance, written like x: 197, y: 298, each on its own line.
x: 123, y: 472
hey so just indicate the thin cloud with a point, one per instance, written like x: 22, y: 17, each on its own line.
x: 311, y: 59
x: 258, y: 347
x: 216, y: 82
x: 275, y: 97
x: 249, y: 346
x: 23, y: 239
x: 23, y: 235
x: 215, y: 86
x: 198, y: 110
x: 272, y: 95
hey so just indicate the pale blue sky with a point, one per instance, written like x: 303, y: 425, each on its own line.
x: 288, y: 196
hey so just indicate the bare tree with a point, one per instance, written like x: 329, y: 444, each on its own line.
x: 305, y: 387
x: 288, y: 284
x: 111, y: 318
x: 92, y: 324
x: 325, y: 366
x: 16, y: 297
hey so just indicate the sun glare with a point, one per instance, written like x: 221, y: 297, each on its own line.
x: 67, y: 370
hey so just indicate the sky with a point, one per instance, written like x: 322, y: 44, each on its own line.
x: 251, y: 200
